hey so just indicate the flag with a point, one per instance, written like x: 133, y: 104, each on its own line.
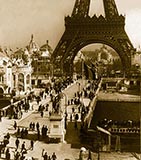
x: 93, y: 74
x: 93, y: 70
x: 86, y: 72
x: 89, y: 72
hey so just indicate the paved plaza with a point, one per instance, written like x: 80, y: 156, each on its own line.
x: 69, y: 149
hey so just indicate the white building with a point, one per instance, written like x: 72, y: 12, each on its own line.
x: 5, y: 73
x: 21, y: 71
x: 41, y: 62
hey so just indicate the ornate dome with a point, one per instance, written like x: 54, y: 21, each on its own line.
x: 33, y: 46
x: 46, y: 50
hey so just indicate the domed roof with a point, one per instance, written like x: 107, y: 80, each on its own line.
x: 45, y: 54
x: 33, y: 46
x: 46, y: 47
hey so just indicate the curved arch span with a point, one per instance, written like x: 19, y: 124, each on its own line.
x: 79, y: 44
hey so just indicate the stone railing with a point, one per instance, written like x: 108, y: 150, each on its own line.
x: 124, y: 130
x: 89, y: 116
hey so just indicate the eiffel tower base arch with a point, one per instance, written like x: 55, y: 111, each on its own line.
x: 82, y: 30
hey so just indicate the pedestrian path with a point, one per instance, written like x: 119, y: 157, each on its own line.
x: 68, y: 150
x: 6, y: 124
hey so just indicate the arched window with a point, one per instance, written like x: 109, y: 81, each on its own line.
x: 21, y: 81
x: 28, y: 79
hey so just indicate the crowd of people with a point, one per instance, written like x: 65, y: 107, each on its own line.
x: 14, y: 110
x: 130, y: 124
x: 20, y: 150
x: 48, y: 157
x: 40, y: 132
x: 79, y: 110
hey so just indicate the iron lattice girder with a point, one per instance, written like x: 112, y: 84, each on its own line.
x: 91, y: 30
x: 81, y: 8
x: 110, y: 9
x: 94, y: 25
x: 82, y: 31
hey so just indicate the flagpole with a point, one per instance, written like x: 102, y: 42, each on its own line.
x: 82, y: 77
x: 82, y: 73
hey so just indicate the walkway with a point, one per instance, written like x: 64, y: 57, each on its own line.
x: 69, y: 150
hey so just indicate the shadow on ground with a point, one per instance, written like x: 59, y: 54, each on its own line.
x: 73, y: 135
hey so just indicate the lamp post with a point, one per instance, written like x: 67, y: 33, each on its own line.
x: 82, y: 72
x: 51, y: 71
x: 65, y: 109
x: 65, y: 101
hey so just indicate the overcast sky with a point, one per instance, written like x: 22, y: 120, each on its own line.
x: 45, y: 19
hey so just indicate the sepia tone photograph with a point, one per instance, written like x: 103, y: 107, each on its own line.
x: 70, y: 80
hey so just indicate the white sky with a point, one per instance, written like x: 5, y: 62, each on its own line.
x: 45, y: 19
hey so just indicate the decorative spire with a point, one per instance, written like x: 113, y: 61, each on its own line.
x: 32, y: 47
x: 32, y: 37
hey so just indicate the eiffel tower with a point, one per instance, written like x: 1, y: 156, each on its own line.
x: 82, y: 30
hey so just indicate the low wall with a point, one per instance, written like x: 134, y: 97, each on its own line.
x: 89, y: 116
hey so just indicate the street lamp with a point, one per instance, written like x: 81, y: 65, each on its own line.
x: 65, y: 101
x: 65, y: 108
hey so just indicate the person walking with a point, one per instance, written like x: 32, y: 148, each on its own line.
x: 37, y: 126
x: 15, y: 125
x: 8, y: 136
x: 89, y: 156
x: 38, y: 134
x: 43, y: 131
x: 30, y: 126
x: 23, y: 147
x: 7, y: 156
x: 33, y: 126
x: 17, y: 143
x: 44, y: 155
x: 16, y: 155
x: 31, y: 144
x: 80, y: 155
x: 42, y: 113
x: 70, y: 117
x: 18, y: 131
x: 54, y: 157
